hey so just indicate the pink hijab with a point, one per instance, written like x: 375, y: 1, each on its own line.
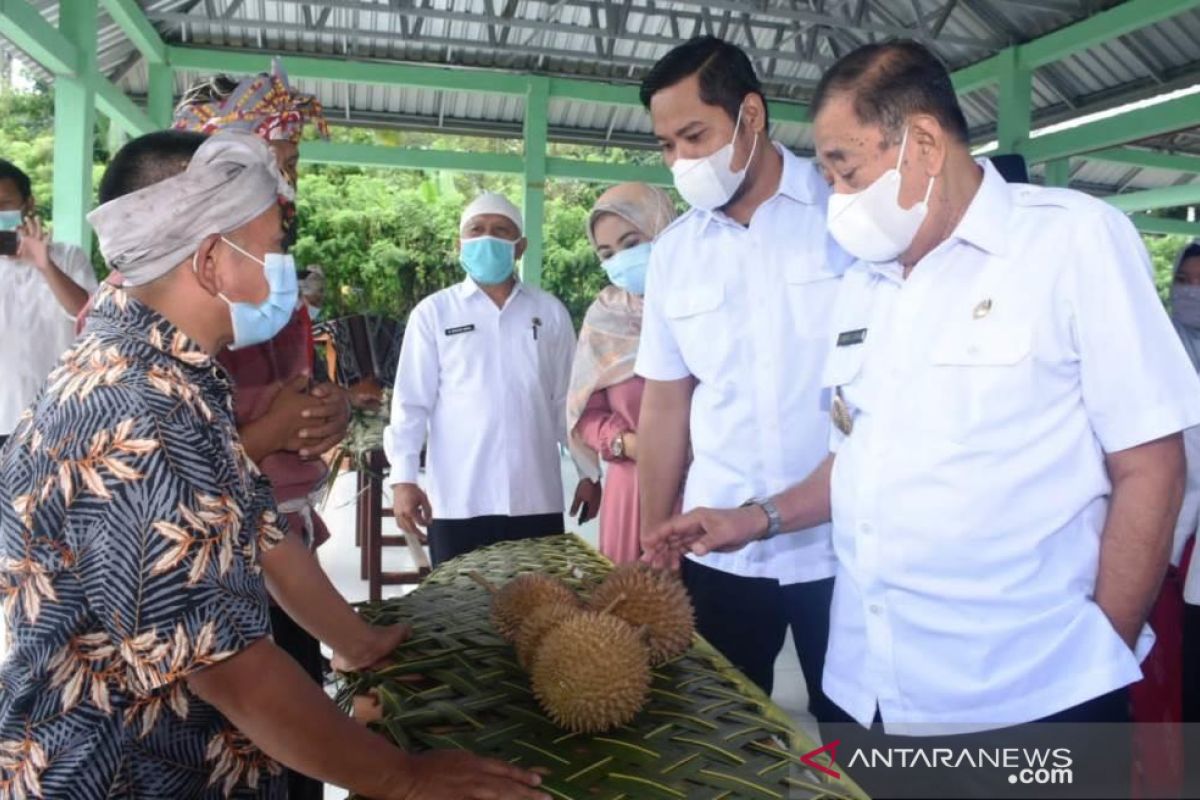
x: 608, y: 341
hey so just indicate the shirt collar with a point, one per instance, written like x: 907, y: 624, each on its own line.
x: 130, y: 318
x: 796, y: 182
x: 985, y: 222
x: 469, y: 288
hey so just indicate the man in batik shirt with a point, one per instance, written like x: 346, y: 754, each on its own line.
x: 135, y: 534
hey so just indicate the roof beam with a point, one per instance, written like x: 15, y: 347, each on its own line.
x: 1146, y: 159
x: 22, y: 25
x: 117, y: 106
x: 428, y: 77
x: 1131, y: 126
x: 1177, y: 227
x: 130, y: 19
x: 1187, y: 194
x: 1117, y: 21
x: 368, y: 155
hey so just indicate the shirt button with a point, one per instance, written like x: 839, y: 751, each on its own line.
x: 875, y: 609
x: 866, y: 528
x: 972, y: 350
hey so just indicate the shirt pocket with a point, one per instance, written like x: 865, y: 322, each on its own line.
x: 463, y: 356
x: 811, y: 293
x: 700, y: 329
x: 981, y: 380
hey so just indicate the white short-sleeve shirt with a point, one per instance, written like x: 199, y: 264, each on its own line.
x: 486, y: 386
x: 34, y: 327
x: 746, y: 311
x: 969, y: 498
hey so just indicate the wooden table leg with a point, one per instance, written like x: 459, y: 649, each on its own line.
x: 374, y: 504
x: 362, y: 518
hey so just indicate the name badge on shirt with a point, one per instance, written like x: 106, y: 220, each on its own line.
x: 459, y: 329
x: 847, y: 338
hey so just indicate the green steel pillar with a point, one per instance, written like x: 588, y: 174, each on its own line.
x: 537, y: 107
x: 1058, y: 172
x: 1013, y: 114
x: 161, y: 105
x: 75, y: 127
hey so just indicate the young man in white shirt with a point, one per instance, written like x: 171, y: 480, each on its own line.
x: 45, y: 286
x: 734, y: 336
x: 483, y: 378
x: 1007, y: 465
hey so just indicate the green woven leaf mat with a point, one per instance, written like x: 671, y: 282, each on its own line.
x: 707, y: 732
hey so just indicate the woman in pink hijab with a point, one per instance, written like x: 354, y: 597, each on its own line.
x: 605, y: 395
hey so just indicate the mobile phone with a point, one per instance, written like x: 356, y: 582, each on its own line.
x: 8, y: 243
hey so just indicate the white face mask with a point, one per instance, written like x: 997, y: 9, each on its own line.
x: 708, y: 183
x: 870, y: 224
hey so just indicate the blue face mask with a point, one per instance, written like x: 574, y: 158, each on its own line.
x: 488, y: 260
x: 627, y: 268
x: 11, y: 220
x: 255, y: 323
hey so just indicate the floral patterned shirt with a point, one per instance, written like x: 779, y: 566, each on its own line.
x: 131, y: 524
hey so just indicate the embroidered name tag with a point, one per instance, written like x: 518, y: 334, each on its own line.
x: 459, y: 329
x: 847, y: 338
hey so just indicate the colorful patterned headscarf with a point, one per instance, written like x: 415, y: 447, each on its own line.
x: 262, y: 104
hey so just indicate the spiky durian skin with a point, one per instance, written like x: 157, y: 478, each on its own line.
x: 591, y: 673
x: 644, y: 596
x: 537, y: 625
x: 520, y: 596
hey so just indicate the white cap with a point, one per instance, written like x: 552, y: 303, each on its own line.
x: 491, y: 203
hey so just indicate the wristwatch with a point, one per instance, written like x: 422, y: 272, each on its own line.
x: 774, y: 520
x: 618, y: 446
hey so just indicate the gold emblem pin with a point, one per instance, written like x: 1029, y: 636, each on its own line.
x: 840, y: 412
x: 983, y: 309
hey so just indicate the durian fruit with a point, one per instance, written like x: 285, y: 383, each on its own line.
x: 591, y: 673
x: 517, y: 599
x: 534, y: 628
x: 644, y: 596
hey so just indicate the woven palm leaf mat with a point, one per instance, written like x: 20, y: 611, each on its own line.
x: 707, y: 732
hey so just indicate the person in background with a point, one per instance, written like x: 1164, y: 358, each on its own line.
x: 45, y: 285
x: 312, y: 291
x: 734, y: 335
x: 1006, y: 464
x: 138, y: 541
x: 286, y: 419
x: 605, y: 396
x: 1185, y: 314
x: 483, y: 377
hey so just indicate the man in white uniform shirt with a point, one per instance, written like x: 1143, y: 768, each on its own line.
x: 483, y: 378
x: 734, y: 337
x: 45, y: 286
x: 1007, y: 465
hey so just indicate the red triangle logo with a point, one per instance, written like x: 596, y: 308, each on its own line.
x: 831, y: 748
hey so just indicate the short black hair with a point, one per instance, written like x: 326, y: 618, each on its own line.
x: 725, y: 73
x: 1191, y: 251
x: 147, y: 160
x: 891, y: 81
x: 11, y: 172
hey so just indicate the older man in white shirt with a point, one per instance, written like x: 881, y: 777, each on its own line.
x: 483, y: 379
x: 734, y: 337
x: 44, y: 286
x: 1007, y: 465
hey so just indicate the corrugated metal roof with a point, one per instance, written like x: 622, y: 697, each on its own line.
x: 617, y: 40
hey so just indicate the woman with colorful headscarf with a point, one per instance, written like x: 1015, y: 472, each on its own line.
x: 605, y: 395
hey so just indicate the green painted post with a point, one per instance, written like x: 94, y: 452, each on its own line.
x: 1058, y: 172
x: 161, y: 101
x: 75, y: 127
x: 1013, y: 115
x: 537, y: 107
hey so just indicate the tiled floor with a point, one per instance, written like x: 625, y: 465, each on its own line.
x: 341, y: 561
